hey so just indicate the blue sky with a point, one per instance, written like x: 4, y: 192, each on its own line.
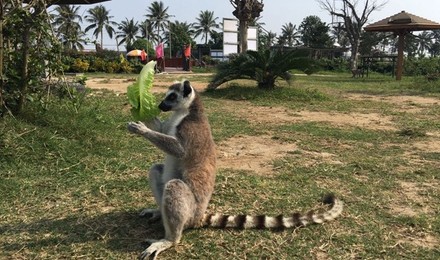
x: 276, y: 13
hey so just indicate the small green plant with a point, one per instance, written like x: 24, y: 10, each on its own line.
x: 81, y: 79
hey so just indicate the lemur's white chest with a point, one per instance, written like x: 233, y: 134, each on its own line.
x: 173, y: 165
x: 175, y: 120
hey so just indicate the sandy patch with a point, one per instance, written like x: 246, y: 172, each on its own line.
x: 409, y: 236
x: 410, y: 104
x: 257, y: 153
x: 430, y: 146
x: 413, y: 199
x: 252, y: 153
x: 280, y: 115
x: 399, y: 100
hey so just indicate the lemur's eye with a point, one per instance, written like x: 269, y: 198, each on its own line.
x: 172, y: 96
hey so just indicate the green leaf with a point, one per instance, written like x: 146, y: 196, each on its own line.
x: 143, y: 102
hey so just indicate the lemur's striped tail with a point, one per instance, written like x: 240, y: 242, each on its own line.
x: 278, y: 222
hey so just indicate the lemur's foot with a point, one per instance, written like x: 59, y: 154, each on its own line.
x: 152, y: 215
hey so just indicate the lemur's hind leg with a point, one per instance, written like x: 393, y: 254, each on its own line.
x: 157, y: 186
x: 178, y: 206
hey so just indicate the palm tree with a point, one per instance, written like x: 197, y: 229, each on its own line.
x: 181, y: 34
x: 147, y: 31
x: 205, y: 23
x: 267, y: 39
x: 66, y: 23
x: 290, y: 34
x: 100, y: 19
x: 158, y: 16
x: 424, y: 40
x: 128, y: 31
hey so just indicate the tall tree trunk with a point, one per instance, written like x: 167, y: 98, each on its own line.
x: 354, y: 55
x: 243, y: 36
x: 24, y: 71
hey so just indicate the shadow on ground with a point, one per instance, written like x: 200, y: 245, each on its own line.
x: 116, y: 231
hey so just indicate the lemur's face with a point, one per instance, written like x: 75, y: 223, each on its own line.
x: 179, y: 96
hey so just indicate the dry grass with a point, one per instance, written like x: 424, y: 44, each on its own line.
x: 73, y: 180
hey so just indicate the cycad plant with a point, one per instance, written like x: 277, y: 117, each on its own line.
x: 264, y: 66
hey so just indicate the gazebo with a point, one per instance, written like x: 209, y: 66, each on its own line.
x: 401, y: 24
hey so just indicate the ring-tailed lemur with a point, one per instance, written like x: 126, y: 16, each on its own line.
x: 182, y: 186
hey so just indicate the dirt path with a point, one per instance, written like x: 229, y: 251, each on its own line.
x: 120, y: 85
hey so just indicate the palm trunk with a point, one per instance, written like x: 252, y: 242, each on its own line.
x: 102, y: 40
x: 243, y: 36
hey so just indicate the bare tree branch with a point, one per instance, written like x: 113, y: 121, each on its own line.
x: 353, y: 23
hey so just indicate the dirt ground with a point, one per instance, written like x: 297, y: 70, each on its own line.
x: 257, y: 153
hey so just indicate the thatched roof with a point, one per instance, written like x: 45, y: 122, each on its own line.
x: 402, y: 21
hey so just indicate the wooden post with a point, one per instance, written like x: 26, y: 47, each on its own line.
x: 401, y: 45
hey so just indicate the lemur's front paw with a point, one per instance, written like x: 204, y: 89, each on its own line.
x: 137, y: 128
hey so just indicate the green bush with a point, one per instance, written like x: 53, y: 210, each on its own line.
x: 111, y: 67
x: 382, y: 67
x: 208, y: 60
x: 124, y: 65
x: 422, y: 66
x: 80, y: 65
x: 336, y: 64
x: 98, y: 65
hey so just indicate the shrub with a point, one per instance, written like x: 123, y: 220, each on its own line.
x: 80, y: 65
x: 98, y: 65
x: 422, y: 66
x: 111, y: 67
x: 336, y: 64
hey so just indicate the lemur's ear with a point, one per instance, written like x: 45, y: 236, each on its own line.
x: 186, y: 88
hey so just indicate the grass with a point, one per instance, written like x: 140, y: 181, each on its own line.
x: 73, y: 180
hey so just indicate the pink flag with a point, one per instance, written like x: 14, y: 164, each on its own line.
x: 159, y: 51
